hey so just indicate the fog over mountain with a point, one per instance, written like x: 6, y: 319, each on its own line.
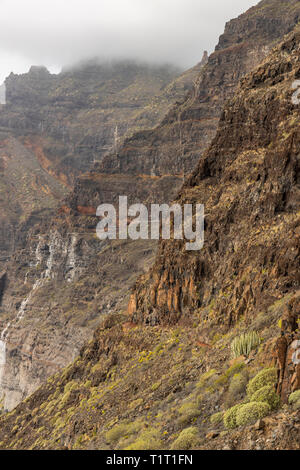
x: 56, y: 33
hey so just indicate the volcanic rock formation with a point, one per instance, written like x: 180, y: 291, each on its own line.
x: 68, y: 279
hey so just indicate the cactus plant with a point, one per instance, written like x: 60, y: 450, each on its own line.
x: 242, y: 345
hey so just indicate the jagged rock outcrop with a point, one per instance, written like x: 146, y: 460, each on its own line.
x: 251, y: 251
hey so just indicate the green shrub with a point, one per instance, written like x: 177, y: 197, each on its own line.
x: 206, y: 379
x: 244, y: 344
x: 230, y: 416
x: 217, y: 418
x: 249, y: 413
x: 268, y: 395
x: 263, y: 378
x: 188, y: 413
x: 236, y: 389
x: 223, y: 379
x: 147, y: 440
x: 187, y: 439
x: 199, y: 400
x: 120, y: 430
x: 294, y: 399
x: 187, y: 406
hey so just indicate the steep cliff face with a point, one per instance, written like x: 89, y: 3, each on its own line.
x: 62, y: 254
x: 71, y: 119
x: 53, y: 127
x: 2, y: 94
x: 133, y: 390
x: 149, y: 167
x: 54, y: 293
x: 166, y: 155
x: 27, y: 193
x: 248, y: 182
x: 130, y: 389
x: 178, y: 142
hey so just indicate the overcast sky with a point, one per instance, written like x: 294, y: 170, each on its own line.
x: 61, y: 32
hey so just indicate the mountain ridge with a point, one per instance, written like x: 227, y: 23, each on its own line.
x: 156, y: 376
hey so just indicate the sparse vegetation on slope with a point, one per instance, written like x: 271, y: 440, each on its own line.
x: 162, y: 375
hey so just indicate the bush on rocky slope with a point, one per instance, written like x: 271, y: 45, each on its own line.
x: 237, y: 388
x: 217, y: 418
x: 186, y: 440
x: 268, y: 395
x: 230, y: 416
x: 263, y: 378
x: 251, y: 412
x: 147, y: 440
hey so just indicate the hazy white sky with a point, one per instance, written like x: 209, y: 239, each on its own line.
x: 60, y: 32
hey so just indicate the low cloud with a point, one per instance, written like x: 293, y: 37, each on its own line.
x: 57, y: 33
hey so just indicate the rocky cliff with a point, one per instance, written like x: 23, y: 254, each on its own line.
x: 248, y: 182
x: 92, y: 102
x: 178, y: 142
x: 45, y: 307
x: 53, y: 128
x: 72, y: 119
x: 71, y: 280
x: 251, y: 253
x: 27, y: 194
x: 201, y: 384
x: 167, y: 154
